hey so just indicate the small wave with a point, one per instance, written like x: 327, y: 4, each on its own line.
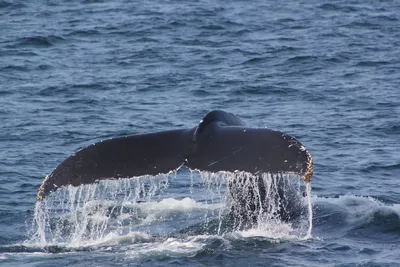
x: 371, y: 63
x: 259, y: 90
x: 384, y: 219
x: 358, y: 212
x: 83, y: 101
x: 5, y: 93
x: 92, y: 1
x: 356, y: 205
x: 202, y: 93
x: 6, y: 4
x: 255, y: 60
x: 389, y: 128
x: 52, y: 91
x: 12, y: 51
x: 133, y: 245
x: 395, y: 128
x: 377, y: 167
x: 328, y: 6
x: 212, y: 27
x: 38, y: 249
x: 388, y: 18
x: 336, y: 7
x: 302, y: 59
x: 84, y: 33
x: 44, y: 67
x: 15, y: 68
x: 39, y: 41
x: 113, y: 238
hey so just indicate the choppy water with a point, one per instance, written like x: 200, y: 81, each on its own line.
x: 76, y: 72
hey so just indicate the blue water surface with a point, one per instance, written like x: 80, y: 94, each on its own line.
x: 328, y: 72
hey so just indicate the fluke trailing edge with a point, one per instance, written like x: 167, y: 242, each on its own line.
x: 221, y: 142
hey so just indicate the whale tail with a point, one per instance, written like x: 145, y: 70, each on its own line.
x: 220, y: 142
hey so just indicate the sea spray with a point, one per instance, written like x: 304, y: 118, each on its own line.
x: 309, y: 205
x: 90, y: 214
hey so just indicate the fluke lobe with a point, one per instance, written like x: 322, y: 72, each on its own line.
x: 221, y: 142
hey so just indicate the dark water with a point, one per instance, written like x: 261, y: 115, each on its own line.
x: 76, y: 72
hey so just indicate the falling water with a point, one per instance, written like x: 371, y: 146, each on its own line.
x: 265, y: 200
x: 80, y: 215
x: 309, y: 204
x: 88, y: 212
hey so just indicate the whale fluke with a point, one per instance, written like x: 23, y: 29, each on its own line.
x: 221, y: 142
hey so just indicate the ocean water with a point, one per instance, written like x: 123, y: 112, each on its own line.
x: 76, y: 72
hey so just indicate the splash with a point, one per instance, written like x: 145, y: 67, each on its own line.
x: 310, y: 215
x: 146, y: 207
x: 90, y: 212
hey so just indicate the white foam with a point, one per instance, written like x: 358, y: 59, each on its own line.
x: 396, y: 208
x: 171, y: 246
x: 171, y: 204
x: 271, y: 229
x: 115, y: 239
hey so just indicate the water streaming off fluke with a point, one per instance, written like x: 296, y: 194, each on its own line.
x: 148, y: 207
